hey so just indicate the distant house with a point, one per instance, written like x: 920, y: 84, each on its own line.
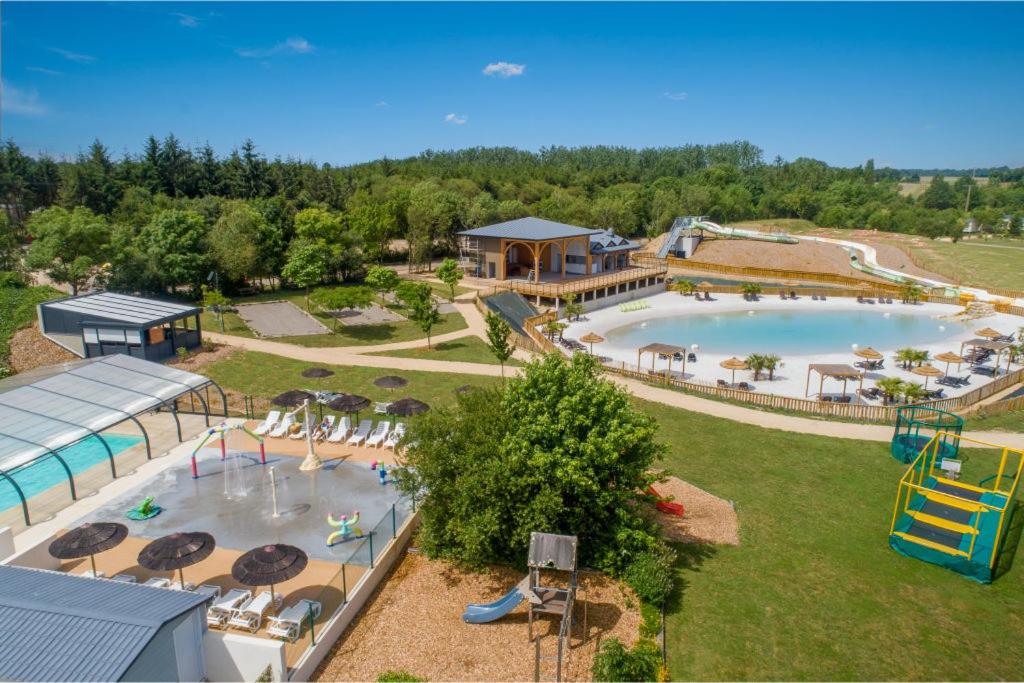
x: 62, y: 627
x: 972, y: 227
x: 103, y: 323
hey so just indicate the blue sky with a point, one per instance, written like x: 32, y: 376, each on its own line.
x: 910, y: 85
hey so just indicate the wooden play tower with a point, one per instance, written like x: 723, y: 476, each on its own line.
x: 552, y: 553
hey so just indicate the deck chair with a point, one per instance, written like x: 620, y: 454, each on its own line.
x: 288, y: 624
x: 250, y: 615
x: 209, y: 590
x: 269, y: 422
x: 221, y: 609
x: 395, y: 436
x: 300, y: 434
x: 282, y: 427
x: 124, y: 578
x: 340, y: 432
x: 157, y: 582
x: 176, y: 586
x: 360, y: 434
x: 377, y: 436
x: 380, y: 408
x: 325, y: 428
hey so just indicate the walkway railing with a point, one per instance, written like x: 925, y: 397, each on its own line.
x: 559, y: 290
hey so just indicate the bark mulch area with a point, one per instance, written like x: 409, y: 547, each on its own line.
x: 197, y: 360
x: 30, y: 350
x: 706, y: 519
x: 414, y: 622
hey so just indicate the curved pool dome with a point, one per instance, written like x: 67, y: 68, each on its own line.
x: 917, y: 425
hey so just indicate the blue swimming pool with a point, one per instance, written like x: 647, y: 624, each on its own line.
x: 48, y: 472
x: 793, y: 332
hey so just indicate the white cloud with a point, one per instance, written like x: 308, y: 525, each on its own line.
x: 674, y: 96
x: 73, y: 56
x: 293, y: 46
x: 17, y: 101
x: 383, y: 105
x: 186, y: 20
x: 42, y: 70
x: 504, y: 69
x: 456, y: 119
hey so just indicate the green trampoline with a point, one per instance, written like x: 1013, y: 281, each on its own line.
x: 915, y: 427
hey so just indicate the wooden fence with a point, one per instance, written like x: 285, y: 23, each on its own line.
x: 1000, y: 407
x: 561, y: 289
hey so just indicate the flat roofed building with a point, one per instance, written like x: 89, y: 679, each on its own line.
x: 105, y: 323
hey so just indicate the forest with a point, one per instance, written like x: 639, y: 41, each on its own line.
x: 165, y: 218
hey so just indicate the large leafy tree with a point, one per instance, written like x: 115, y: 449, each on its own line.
x: 174, y: 245
x: 558, y: 450
x: 69, y: 246
x: 424, y: 312
x: 234, y: 241
x: 499, y: 339
x: 306, y: 265
x: 451, y: 274
x: 332, y: 299
x: 382, y: 279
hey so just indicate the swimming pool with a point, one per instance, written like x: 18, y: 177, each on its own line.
x: 794, y: 332
x: 48, y: 472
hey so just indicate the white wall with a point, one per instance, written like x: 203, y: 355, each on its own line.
x: 35, y: 556
x: 235, y: 657
x: 6, y: 543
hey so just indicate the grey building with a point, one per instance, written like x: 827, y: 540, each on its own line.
x: 105, y: 323
x: 61, y: 627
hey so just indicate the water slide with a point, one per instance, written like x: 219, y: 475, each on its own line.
x: 863, y: 257
x: 482, y: 613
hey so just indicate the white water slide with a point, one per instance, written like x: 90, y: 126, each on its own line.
x: 863, y: 257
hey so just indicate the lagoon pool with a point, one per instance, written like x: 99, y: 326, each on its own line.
x: 48, y: 472
x: 883, y: 327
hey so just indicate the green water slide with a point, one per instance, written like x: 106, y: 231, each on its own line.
x: 740, y: 233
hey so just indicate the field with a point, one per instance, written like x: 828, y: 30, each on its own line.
x: 470, y: 349
x: 18, y: 309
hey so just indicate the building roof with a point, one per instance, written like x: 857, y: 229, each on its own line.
x: 663, y: 349
x: 57, y: 406
x: 836, y: 370
x: 132, y: 310
x: 530, y: 229
x: 61, y: 627
x: 607, y: 242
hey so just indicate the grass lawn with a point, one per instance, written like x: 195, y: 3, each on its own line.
x: 1010, y: 421
x: 471, y: 349
x: 265, y: 375
x: 17, y: 310
x: 359, y: 335
x: 813, y: 591
x: 983, y: 263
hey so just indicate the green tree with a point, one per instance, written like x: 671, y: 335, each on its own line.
x: 938, y: 195
x: 10, y: 246
x: 328, y: 300
x: 376, y: 225
x: 891, y: 388
x: 772, y: 362
x: 913, y: 392
x: 69, y: 246
x: 214, y: 300
x: 306, y: 266
x: 450, y: 273
x: 911, y: 293
x: 173, y: 244
x: 559, y: 449
x: 383, y: 280
x: 425, y: 314
x: 234, y: 241
x: 412, y: 292
x: 499, y: 339
x: 750, y: 290
x: 684, y: 287
x: 572, y: 310
x: 755, y: 362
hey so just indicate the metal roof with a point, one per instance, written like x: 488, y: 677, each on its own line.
x: 133, y: 310
x: 45, y: 411
x: 607, y: 242
x: 530, y: 229
x: 62, y: 627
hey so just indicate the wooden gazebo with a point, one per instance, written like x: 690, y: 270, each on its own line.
x: 838, y: 371
x: 992, y: 345
x: 661, y: 350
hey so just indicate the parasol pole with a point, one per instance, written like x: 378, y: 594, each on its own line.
x: 92, y: 561
x: 312, y: 461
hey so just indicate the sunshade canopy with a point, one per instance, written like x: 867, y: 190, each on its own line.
x: 927, y: 371
x: 868, y: 353
x: 317, y: 373
x: 591, y: 338
x: 349, y: 403
x: 837, y: 370
x: 177, y: 550
x: 88, y: 539
x: 390, y: 382
x: 663, y: 349
x: 292, y: 398
x: 734, y: 364
x: 407, y: 407
x: 269, y: 564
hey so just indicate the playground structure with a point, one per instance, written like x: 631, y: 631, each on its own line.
x: 915, y: 428
x: 345, y: 528
x: 549, y: 552
x: 666, y: 506
x: 221, y: 432
x: 951, y: 522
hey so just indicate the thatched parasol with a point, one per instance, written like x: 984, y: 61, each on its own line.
x: 988, y: 333
x: 317, y: 373
x: 292, y: 398
x: 734, y: 364
x: 407, y: 407
x: 950, y: 357
x: 177, y: 551
x: 349, y: 403
x: 591, y: 338
x: 868, y: 353
x: 269, y: 564
x: 390, y: 382
x: 87, y: 540
x: 927, y: 371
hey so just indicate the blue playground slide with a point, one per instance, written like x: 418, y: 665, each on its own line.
x: 491, y: 611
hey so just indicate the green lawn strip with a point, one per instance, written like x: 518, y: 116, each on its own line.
x: 1010, y: 421
x: 266, y: 375
x: 814, y: 592
x: 989, y: 263
x: 469, y: 349
x: 18, y: 310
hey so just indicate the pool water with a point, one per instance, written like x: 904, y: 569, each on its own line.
x: 48, y: 472
x: 796, y: 332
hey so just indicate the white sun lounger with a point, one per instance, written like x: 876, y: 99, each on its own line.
x: 282, y: 427
x: 301, y: 434
x: 157, y: 582
x: 288, y: 624
x: 209, y: 590
x: 273, y: 417
x: 340, y: 432
x: 222, y: 608
x: 381, y: 408
x: 395, y: 436
x: 250, y: 615
x: 322, y: 432
x: 377, y: 436
x: 176, y: 586
x: 124, y: 578
x: 362, y: 431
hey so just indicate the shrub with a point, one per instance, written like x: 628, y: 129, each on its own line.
x: 398, y: 676
x: 614, y: 662
x: 182, y: 352
x: 651, y: 575
x: 10, y: 278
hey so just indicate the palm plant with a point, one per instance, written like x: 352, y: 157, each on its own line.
x: 750, y: 290
x: 906, y: 357
x: 913, y: 392
x: 911, y: 293
x: 573, y: 309
x: 771, y: 363
x: 755, y: 362
x: 919, y: 356
x: 684, y: 287
x: 891, y: 388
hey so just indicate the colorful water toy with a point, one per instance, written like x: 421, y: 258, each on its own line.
x: 383, y: 473
x: 146, y: 509
x: 220, y: 432
x: 345, y: 528
x: 666, y: 506
x: 373, y: 465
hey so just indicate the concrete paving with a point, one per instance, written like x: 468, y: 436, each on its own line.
x: 280, y: 319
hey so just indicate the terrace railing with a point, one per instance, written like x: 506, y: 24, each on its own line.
x: 557, y: 290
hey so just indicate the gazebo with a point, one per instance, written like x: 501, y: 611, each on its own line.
x: 990, y: 344
x: 835, y: 371
x: 661, y: 350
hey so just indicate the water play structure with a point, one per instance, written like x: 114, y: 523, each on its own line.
x: 220, y: 432
x: 958, y: 519
x: 345, y: 528
x: 917, y: 426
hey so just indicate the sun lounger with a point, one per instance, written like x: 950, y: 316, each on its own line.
x: 340, y: 432
x: 323, y: 429
x: 723, y: 383
x: 176, y: 586
x: 209, y: 590
x: 282, y: 428
x: 222, y: 608
x: 269, y: 422
x: 822, y: 297
x: 288, y: 624
x: 124, y: 578
x: 745, y: 387
x: 379, y: 433
x: 395, y: 436
x: 97, y: 575
x: 250, y: 615
x: 782, y: 295
x: 792, y: 295
x: 691, y: 358
x: 380, y: 408
x: 826, y: 399
x: 157, y: 582
x: 360, y: 434
x: 300, y: 434
x: 814, y: 297
x: 860, y: 299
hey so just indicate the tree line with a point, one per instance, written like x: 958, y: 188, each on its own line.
x: 166, y: 217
